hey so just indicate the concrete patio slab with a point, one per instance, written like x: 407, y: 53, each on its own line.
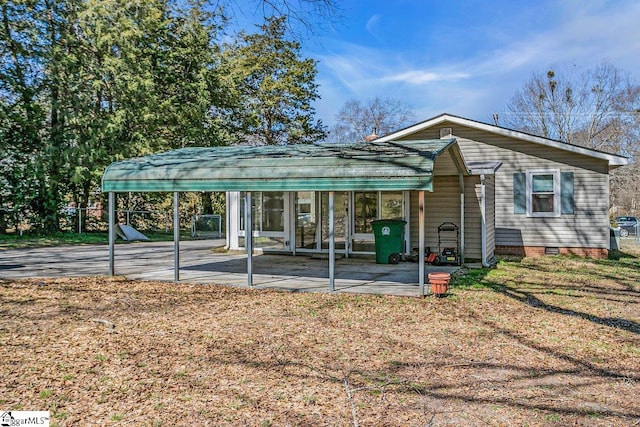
x: 200, y: 263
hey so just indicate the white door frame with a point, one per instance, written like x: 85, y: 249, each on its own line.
x: 285, y: 234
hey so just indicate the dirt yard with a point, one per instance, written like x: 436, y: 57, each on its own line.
x: 547, y: 341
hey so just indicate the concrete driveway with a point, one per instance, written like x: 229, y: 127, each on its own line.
x: 199, y: 263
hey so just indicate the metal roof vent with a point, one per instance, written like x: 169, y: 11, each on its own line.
x: 446, y: 133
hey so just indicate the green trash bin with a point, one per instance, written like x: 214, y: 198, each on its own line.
x: 389, y: 237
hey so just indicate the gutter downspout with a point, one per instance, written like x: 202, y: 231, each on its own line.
x: 483, y: 228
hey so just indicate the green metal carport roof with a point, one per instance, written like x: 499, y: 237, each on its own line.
x: 405, y: 165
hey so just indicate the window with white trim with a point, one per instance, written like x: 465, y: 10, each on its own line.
x: 543, y: 193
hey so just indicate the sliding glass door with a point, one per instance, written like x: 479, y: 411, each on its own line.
x: 340, y: 219
x: 312, y: 220
x: 369, y: 206
x: 269, y: 218
x: 282, y: 218
x: 306, y: 225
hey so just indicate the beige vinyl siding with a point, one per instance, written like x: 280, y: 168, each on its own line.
x: 445, y: 165
x: 587, y: 227
x: 472, y: 219
x: 443, y: 205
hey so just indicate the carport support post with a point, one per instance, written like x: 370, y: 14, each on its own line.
x: 332, y: 243
x: 421, y: 242
x: 176, y: 237
x: 248, y: 237
x: 112, y: 232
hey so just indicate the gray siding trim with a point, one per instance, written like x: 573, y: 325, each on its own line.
x: 519, y: 193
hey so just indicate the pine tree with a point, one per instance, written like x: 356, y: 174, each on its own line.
x: 276, y: 86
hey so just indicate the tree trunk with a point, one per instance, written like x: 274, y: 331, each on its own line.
x: 56, y: 135
x: 3, y: 220
x: 207, y: 205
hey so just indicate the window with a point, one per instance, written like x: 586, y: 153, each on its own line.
x: 273, y: 211
x: 391, y: 205
x: 369, y: 206
x: 267, y: 209
x: 306, y: 220
x: 366, y: 210
x: 543, y: 193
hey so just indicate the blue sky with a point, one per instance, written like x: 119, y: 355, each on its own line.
x: 465, y: 57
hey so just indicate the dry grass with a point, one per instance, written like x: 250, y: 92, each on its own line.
x: 547, y: 341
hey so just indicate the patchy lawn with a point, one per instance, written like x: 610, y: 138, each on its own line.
x: 545, y: 341
x: 16, y: 241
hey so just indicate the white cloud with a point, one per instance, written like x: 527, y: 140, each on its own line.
x: 482, y: 82
x: 418, y: 77
x: 371, y: 23
x: 353, y: 66
x: 584, y: 37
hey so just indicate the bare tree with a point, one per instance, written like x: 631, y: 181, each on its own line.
x: 356, y: 121
x: 304, y: 17
x: 625, y: 181
x: 598, y: 108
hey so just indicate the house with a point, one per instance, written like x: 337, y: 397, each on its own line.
x: 527, y: 195
x: 550, y: 197
x: 507, y: 192
x: 317, y: 197
x: 298, y: 221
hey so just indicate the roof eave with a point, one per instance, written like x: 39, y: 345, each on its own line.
x: 612, y: 159
x: 365, y: 167
x: 488, y: 169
